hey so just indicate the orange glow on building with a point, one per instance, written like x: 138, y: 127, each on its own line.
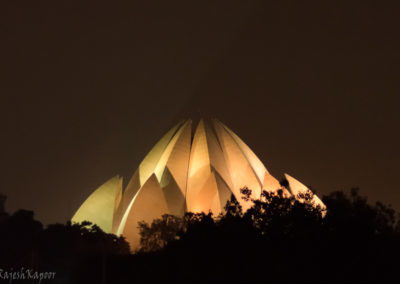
x: 183, y: 173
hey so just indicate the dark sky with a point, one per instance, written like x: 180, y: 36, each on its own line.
x: 88, y: 87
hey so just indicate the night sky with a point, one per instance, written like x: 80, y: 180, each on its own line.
x: 88, y: 87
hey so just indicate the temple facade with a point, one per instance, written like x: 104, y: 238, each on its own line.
x: 186, y: 171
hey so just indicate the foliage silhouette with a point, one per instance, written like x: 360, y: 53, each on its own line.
x: 73, y: 251
x: 284, y: 239
x: 278, y: 240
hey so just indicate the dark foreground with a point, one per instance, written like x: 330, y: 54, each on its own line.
x: 278, y: 240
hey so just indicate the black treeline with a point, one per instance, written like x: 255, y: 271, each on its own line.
x: 278, y: 240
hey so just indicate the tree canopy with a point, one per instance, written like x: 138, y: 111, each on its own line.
x: 278, y: 240
x: 281, y: 240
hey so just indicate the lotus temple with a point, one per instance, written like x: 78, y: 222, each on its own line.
x: 188, y: 170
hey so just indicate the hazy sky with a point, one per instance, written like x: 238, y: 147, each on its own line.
x: 88, y: 87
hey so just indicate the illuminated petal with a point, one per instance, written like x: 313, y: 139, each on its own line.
x: 148, y: 204
x: 297, y: 188
x: 99, y: 206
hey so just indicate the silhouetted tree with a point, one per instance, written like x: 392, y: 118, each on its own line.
x: 278, y: 240
x: 161, y: 231
x: 74, y: 251
x: 283, y: 240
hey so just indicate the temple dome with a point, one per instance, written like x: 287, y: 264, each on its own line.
x: 183, y: 172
